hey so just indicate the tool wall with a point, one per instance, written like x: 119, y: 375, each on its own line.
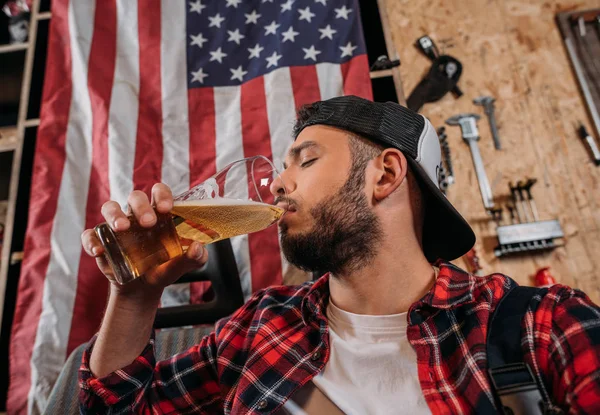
x: 543, y: 179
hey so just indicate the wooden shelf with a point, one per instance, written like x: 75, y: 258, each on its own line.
x: 34, y: 122
x: 8, y: 139
x: 381, y: 74
x: 44, y: 16
x: 13, y: 47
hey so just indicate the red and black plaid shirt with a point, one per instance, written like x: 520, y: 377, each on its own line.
x: 258, y: 357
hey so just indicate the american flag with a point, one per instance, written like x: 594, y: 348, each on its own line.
x: 139, y: 92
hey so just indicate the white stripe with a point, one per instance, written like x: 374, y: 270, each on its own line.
x: 229, y: 148
x: 175, y: 128
x: 60, y: 284
x: 281, y: 114
x: 331, y: 81
x: 124, y: 104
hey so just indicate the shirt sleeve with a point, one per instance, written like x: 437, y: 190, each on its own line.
x: 571, y: 351
x: 145, y: 387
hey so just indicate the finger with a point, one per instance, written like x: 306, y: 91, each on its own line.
x: 141, y: 208
x: 91, y: 244
x: 195, y: 257
x: 105, y: 268
x: 114, y: 216
x: 162, y: 197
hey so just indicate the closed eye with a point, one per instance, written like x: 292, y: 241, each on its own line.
x: 307, y: 163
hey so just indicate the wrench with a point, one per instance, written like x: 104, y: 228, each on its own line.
x: 468, y: 126
x: 488, y: 107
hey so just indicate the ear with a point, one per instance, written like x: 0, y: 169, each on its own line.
x: 391, y: 167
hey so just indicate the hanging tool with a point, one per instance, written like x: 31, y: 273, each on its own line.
x: 446, y: 156
x: 591, y: 143
x: 427, y: 46
x: 522, y: 234
x: 579, y: 72
x: 470, y: 133
x: 517, y: 202
x: 521, y: 190
x: 443, y: 76
x: 487, y: 103
x: 527, y: 187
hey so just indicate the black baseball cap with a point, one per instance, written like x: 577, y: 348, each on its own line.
x: 446, y: 234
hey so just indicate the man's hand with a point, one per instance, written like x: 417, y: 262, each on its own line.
x: 143, y: 210
x: 131, y: 308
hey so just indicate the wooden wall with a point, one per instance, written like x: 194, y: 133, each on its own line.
x: 513, y: 51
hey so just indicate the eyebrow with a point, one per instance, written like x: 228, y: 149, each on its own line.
x: 295, y: 151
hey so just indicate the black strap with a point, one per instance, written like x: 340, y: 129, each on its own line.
x: 516, y: 387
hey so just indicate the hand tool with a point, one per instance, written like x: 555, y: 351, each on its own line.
x: 511, y: 211
x: 428, y: 47
x: 527, y: 187
x: 487, y: 103
x: 468, y: 126
x: 496, y: 215
x: 446, y: 156
x: 591, y: 143
x: 585, y: 88
x: 517, y: 202
x: 520, y: 189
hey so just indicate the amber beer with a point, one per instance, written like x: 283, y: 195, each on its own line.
x: 133, y: 252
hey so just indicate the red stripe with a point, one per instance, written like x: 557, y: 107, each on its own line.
x: 46, y: 177
x: 305, y: 84
x: 92, y: 286
x: 265, y: 258
x: 147, y: 167
x: 203, y: 155
x: 357, y: 80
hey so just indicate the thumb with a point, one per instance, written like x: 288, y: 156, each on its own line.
x: 195, y: 257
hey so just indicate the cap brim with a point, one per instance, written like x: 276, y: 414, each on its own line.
x: 446, y: 234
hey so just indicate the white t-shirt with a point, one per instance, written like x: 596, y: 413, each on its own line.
x: 372, y: 368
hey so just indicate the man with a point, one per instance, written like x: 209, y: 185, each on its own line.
x: 382, y: 332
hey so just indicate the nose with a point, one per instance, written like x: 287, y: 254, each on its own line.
x: 279, y: 187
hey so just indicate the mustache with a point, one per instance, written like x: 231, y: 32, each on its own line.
x: 283, y: 199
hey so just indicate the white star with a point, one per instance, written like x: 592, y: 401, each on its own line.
x: 342, y: 12
x: 287, y: 5
x: 347, y: 50
x: 306, y: 14
x: 323, y: 2
x: 233, y: 3
x: 272, y: 28
x: 238, y: 73
x: 198, y: 40
x: 196, y: 6
x: 311, y: 53
x: 289, y: 34
x: 216, y: 20
x: 252, y: 17
x: 327, y: 31
x: 217, y: 55
x: 273, y: 60
x: 199, y: 76
x: 255, y: 51
x: 235, y: 36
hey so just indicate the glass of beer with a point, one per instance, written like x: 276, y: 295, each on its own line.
x: 235, y: 201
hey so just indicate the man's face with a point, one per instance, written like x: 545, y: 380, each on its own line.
x: 330, y: 225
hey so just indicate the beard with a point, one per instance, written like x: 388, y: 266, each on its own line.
x: 345, y: 235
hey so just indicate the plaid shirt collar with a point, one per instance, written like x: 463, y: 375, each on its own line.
x: 453, y: 288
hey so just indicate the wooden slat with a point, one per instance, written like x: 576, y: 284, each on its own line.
x: 513, y: 51
x: 44, y: 16
x: 16, y: 166
x: 8, y: 139
x: 13, y: 47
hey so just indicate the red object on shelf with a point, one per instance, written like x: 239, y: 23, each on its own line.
x: 543, y: 278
